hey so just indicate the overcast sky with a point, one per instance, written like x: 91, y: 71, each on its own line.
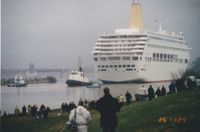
x: 54, y: 33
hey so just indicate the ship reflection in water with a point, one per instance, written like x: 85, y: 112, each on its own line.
x: 53, y: 95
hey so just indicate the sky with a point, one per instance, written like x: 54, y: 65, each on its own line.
x: 54, y: 33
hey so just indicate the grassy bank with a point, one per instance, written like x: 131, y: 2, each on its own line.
x: 180, y: 110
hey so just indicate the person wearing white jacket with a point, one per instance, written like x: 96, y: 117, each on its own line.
x: 82, y: 117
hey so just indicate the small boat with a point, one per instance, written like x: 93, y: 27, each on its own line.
x: 18, y: 81
x: 95, y: 85
x: 77, y: 78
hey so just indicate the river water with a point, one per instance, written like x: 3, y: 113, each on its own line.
x: 53, y: 95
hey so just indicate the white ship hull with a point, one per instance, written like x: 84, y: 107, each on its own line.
x: 154, y: 72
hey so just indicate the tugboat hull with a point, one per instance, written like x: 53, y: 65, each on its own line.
x: 74, y: 83
x: 17, y: 85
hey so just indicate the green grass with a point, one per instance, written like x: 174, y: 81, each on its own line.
x: 137, y: 117
x: 24, y: 124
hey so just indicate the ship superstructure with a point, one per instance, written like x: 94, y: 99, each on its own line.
x: 139, y: 55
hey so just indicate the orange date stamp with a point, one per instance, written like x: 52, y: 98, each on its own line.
x: 178, y: 120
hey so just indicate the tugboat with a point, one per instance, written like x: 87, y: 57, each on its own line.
x: 18, y: 81
x: 77, y: 77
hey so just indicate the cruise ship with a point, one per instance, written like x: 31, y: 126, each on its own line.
x: 135, y: 54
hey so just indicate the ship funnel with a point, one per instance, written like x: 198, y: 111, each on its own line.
x: 136, y: 17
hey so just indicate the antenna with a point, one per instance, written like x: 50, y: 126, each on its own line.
x: 160, y: 21
x: 80, y: 64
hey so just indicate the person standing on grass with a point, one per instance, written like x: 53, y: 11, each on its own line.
x: 82, y: 117
x: 172, y: 87
x: 163, y: 91
x: 128, y: 97
x: 158, y: 92
x: 108, y: 107
x: 151, y: 93
x: 24, y: 110
x: 121, y: 100
x: 17, y: 111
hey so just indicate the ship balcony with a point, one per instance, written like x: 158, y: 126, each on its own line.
x: 117, y: 48
x: 138, y: 46
x: 132, y: 52
x: 121, y: 42
x: 119, y: 39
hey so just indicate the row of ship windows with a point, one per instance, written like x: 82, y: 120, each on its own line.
x: 156, y: 57
x: 117, y: 58
x: 115, y: 66
x: 162, y: 57
x: 149, y: 59
x: 130, y: 49
x: 128, y: 53
x: 119, y: 41
x: 122, y: 36
x: 127, y: 69
x: 118, y: 68
x: 119, y: 45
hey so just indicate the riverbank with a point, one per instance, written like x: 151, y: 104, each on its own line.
x: 174, y: 112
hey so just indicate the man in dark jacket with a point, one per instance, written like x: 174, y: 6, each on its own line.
x: 163, y: 91
x: 172, y: 87
x: 128, y: 97
x: 158, y: 92
x: 151, y: 92
x: 108, y: 107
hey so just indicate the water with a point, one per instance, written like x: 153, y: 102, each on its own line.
x: 53, y: 95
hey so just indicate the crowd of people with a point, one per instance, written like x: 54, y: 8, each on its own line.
x: 107, y: 106
x: 174, y: 87
x: 41, y: 113
x: 91, y: 105
x: 185, y: 84
x: 159, y: 92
